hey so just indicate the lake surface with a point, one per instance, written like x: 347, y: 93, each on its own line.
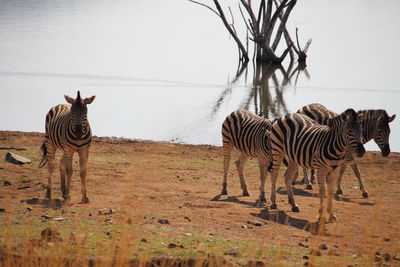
x: 166, y: 69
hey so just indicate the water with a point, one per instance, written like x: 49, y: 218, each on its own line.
x: 165, y: 70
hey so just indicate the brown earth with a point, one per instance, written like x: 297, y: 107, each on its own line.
x: 152, y: 181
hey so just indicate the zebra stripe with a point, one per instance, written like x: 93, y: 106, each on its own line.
x: 67, y: 129
x: 249, y: 134
x: 375, y: 125
x: 308, y: 144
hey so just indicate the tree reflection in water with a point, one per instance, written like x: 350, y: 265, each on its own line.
x: 266, y: 93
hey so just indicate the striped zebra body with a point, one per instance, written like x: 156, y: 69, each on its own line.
x: 68, y: 130
x: 375, y: 125
x: 249, y: 134
x: 308, y: 144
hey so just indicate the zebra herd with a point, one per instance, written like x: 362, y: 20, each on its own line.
x: 312, y: 138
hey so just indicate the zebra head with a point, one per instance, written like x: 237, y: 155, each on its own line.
x: 382, y: 132
x: 353, y: 131
x: 78, y: 115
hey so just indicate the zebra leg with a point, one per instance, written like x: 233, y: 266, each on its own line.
x: 360, y: 182
x: 307, y: 181
x: 262, y: 163
x: 321, y: 177
x: 68, y: 180
x: 331, y: 179
x: 64, y: 162
x: 339, y: 190
x: 274, y: 170
x: 227, y: 160
x: 83, y: 158
x: 240, y: 166
x: 291, y: 171
x: 51, y: 150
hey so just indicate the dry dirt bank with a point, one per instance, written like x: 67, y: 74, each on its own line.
x: 153, y: 181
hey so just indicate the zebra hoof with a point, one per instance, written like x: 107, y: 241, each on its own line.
x: 224, y: 192
x: 309, y: 187
x: 262, y: 199
x: 332, y: 218
x: 246, y: 194
x: 365, y: 195
x: 85, y: 199
x: 296, y: 209
x: 274, y: 206
x: 339, y: 192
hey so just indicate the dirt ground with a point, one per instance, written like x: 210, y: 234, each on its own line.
x: 181, y: 184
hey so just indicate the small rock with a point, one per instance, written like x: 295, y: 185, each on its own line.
x: 306, y: 257
x: 24, y: 187
x: 7, y: 183
x: 29, y: 208
x: 256, y: 223
x: 244, y: 226
x: 108, y: 221
x: 106, y: 211
x: 323, y: 246
x: 303, y: 245
x: 387, y: 239
x: 232, y: 252
x: 188, y: 234
x: 163, y: 221
x: 172, y: 245
x: 46, y: 216
x: 58, y: 219
x: 109, y: 233
x: 143, y: 240
x: 187, y: 218
x: 17, y: 159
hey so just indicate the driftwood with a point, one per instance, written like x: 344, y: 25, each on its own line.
x: 261, y: 26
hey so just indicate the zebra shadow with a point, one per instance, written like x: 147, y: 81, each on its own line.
x: 279, y: 216
x: 235, y: 199
x: 297, y: 191
x: 46, y: 203
x: 304, y: 193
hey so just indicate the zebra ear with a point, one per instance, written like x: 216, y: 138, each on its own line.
x: 89, y: 100
x: 391, y: 118
x: 69, y: 99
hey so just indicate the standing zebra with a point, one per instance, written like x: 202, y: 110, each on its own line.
x: 375, y: 125
x: 249, y: 134
x: 308, y: 144
x: 67, y: 129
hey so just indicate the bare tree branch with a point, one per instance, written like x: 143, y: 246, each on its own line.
x: 205, y: 6
x: 238, y: 42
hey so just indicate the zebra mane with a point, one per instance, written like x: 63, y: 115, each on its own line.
x: 373, y: 113
x: 342, y: 117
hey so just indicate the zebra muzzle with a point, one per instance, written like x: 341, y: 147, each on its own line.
x: 385, y: 151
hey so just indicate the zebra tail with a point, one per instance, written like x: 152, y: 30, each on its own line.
x: 43, y: 160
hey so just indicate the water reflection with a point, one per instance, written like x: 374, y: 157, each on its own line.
x: 266, y: 94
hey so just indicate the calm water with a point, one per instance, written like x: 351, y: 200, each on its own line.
x: 166, y: 69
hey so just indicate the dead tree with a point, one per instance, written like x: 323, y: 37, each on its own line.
x: 261, y: 26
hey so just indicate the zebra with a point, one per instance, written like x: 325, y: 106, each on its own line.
x: 308, y: 144
x: 67, y: 129
x: 249, y: 134
x: 375, y: 125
